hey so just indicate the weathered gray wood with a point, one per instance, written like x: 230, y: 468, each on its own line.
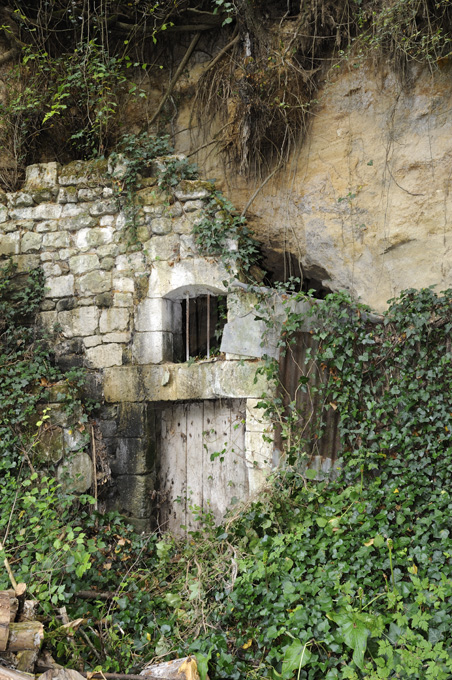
x: 5, y: 613
x: 194, y: 462
x: 173, y: 468
x: 191, y: 434
x: 61, y: 674
x: 26, y: 635
x: 29, y: 611
x: 178, y: 669
x: 9, y: 674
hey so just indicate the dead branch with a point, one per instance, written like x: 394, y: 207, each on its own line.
x: 176, y: 76
x: 223, y: 51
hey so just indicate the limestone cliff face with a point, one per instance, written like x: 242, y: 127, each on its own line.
x: 364, y: 204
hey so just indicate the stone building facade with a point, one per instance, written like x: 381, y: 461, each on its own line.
x: 180, y: 433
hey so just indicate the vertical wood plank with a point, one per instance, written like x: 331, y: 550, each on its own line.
x: 226, y: 476
x: 194, y: 460
x: 173, y: 468
x: 4, y: 619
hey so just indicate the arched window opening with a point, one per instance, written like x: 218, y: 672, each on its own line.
x: 203, y: 320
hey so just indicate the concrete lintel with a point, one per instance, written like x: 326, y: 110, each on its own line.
x: 181, y: 382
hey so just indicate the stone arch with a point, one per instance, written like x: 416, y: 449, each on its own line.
x: 159, y: 318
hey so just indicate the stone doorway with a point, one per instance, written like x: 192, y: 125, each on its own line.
x: 202, y: 464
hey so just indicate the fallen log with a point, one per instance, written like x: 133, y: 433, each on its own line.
x: 111, y: 676
x: 25, y: 635
x: 5, y: 618
x: 9, y: 674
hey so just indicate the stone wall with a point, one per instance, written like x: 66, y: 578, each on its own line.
x: 116, y: 308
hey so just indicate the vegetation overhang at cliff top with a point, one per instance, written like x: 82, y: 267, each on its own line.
x: 81, y: 64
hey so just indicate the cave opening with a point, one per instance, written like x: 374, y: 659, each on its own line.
x: 284, y: 266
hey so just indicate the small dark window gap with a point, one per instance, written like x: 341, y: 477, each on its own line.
x: 203, y: 321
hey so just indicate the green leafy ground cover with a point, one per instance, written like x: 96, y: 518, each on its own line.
x: 332, y: 579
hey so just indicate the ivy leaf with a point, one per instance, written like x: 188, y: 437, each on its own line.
x: 202, y: 661
x: 296, y: 656
x: 355, y: 631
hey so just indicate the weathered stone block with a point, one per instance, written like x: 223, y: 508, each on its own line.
x: 56, y: 239
x: 51, y: 269
x: 114, y: 319
x: 74, y: 440
x: 162, y: 248
x: 104, y: 356
x: 47, y: 225
x: 47, y: 211
x: 41, y: 175
x: 67, y: 195
x: 48, y: 320
x: 188, y: 247
x: 92, y: 341
x: 15, y: 225
x: 60, y: 286
x: 83, y: 172
x: 65, y: 304
x: 247, y: 337
x: 83, y: 221
x: 23, y: 200
x: 107, y: 220
x: 122, y: 299
x: 161, y: 225
x: 124, y: 336
x: 43, y: 195
x: 197, y: 275
x: 50, y: 445
x: 30, y: 241
x: 76, y: 474
x: 107, y: 264
x: 80, y: 321
x: 66, y: 253
x: 152, y: 347
x: 256, y: 421
x: 123, y: 284
x: 183, y: 382
x: 132, y: 457
x: 131, y: 419
x: 73, y: 210
x: 9, y: 244
x: 107, y: 207
x: 193, y: 189
x: 154, y: 314
x: 94, y: 237
x: 107, y: 428
x: 94, y: 282
x: 109, y: 250
x: 183, y: 225
x: 80, y: 264
x: 123, y: 383
x: 134, y: 495
x: 192, y: 206
x: 26, y: 262
x: 153, y: 196
x: 21, y: 213
x: 89, y: 194
x: 118, y: 166
x: 104, y: 300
